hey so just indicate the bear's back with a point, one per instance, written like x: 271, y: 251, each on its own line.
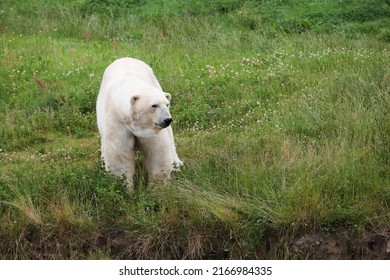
x: 130, y: 71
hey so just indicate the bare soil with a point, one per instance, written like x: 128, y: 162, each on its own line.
x: 339, y: 245
x: 342, y: 244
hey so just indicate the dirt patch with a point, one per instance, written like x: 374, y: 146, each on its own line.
x: 116, y: 243
x: 341, y: 245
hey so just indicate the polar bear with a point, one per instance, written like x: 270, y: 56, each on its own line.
x: 133, y: 114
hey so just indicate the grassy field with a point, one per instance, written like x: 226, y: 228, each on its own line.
x: 281, y: 114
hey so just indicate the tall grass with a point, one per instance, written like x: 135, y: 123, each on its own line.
x: 281, y: 116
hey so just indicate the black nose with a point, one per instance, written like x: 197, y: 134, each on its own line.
x: 168, y: 121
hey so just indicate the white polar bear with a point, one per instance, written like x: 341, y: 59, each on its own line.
x: 133, y: 114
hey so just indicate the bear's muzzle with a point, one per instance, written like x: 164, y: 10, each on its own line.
x: 165, y: 123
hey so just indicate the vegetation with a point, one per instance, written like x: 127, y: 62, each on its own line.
x: 281, y: 114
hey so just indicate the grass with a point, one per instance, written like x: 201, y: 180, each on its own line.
x: 281, y: 116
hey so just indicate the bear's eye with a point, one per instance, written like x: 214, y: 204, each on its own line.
x: 154, y: 106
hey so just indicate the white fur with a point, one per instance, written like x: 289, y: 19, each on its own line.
x: 130, y: 108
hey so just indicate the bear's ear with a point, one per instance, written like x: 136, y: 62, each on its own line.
x: 168, y: 96
x: 134, y: 99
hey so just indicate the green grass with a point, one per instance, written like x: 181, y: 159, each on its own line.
x: 281, y: 116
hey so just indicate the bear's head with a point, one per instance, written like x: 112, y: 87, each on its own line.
x: 149, y: 112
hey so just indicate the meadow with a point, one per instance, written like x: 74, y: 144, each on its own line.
x: 281, y: 115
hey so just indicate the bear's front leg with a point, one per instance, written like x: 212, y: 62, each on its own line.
x: 120, y: 164
x: 176, y: 162
x: 159, y: 165
x: 158, y: 156
x: 118, y: 154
